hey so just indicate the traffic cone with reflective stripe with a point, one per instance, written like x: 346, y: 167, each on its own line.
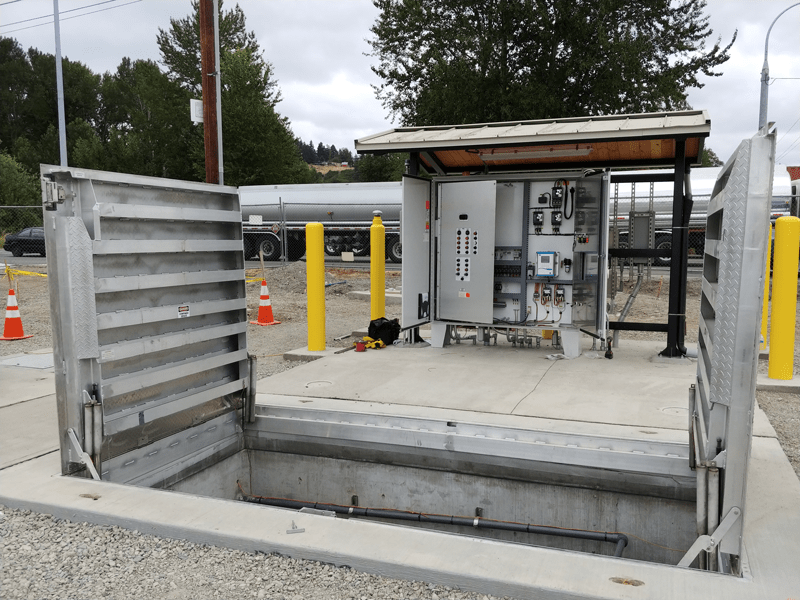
x: 265, y: 308
x: 13, y: 326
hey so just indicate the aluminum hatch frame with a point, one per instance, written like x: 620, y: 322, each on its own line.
x: 722, y: 401
x: 148, y: 309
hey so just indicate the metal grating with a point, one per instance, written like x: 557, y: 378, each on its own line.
x: 149, y: 316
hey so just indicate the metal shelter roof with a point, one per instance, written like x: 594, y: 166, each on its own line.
x: 640, y: 140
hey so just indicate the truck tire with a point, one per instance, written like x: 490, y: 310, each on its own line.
x: 361, y: 245
x: 271, y: 247
x: 16, y: 251
x: 663, y: 242
x: 394, y: 248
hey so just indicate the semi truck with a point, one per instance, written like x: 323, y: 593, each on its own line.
x: 275, y: 217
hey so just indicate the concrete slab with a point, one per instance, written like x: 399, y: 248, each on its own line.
x: 789, y: 386
x: 391, y: 297
x: 306, y: 355
x: 22, y: 384
x: 31, y: 361
x: 444, y: 378
x: 28, y: 430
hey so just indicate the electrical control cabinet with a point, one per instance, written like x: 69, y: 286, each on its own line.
x: 511, y: 252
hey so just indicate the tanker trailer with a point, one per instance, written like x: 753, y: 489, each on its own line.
x: 275, y: 216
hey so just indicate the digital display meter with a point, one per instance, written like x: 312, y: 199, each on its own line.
x: 547, y: 264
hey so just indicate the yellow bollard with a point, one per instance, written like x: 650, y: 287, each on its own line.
x: 315, y: 285
x: 377, y: 268
x: 765, y: 309
x: 784, y: 298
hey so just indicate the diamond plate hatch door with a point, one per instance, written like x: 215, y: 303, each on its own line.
x: 722, y: 403
x: 148, y: 310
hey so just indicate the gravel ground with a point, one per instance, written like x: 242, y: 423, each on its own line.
x: 47, y: 558
x: 42, y: 557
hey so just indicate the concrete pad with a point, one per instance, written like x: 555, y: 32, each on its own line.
x: 465, y: 377
x: 306, y: 355
x: 472, y: 564
x: 789, y: 386
x: 21, y: 384
x: 391, y: 297
x: 30, y: 361
x: 27, y: 430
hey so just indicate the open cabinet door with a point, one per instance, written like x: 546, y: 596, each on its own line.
x: 415, y: 226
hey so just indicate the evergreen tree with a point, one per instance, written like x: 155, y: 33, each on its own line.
x: 473, y: 61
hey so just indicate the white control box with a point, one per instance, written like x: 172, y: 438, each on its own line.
x: 547, y: 264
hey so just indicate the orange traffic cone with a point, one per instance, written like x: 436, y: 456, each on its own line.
x: 265, y: 308
x: 13, y: 326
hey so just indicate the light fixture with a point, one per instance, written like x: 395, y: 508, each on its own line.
x: 552, y: 152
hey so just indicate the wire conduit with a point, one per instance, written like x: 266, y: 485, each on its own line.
x: 619, y: 539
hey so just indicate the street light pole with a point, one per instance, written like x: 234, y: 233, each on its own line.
x: 762, y: 111
x: 62, y: 126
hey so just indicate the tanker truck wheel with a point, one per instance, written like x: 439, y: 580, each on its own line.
x: 270, y: 246
x: 394, y: 249
x: 361, y: 245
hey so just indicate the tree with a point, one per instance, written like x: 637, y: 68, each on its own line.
x: 259, y: 145
x: 180, y: 48
x: 146, y: 125
x: 456, y: 61
x: 710, y: 159
x: 382, y: 167
x: 20, y: 186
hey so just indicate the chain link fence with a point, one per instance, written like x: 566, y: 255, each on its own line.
x: 278, y: 230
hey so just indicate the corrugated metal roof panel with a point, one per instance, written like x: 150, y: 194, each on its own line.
x: 617, y: 140
x: 608, y: 128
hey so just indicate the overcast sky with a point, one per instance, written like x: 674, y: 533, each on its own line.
x: 317, y: 48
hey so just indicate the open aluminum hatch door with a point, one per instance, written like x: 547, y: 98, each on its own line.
x: 722, y: 401
x: 148, y: 310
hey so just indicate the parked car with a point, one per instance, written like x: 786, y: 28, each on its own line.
x: 27, y: 241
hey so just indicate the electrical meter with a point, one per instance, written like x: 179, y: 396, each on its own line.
x: 547, y: 264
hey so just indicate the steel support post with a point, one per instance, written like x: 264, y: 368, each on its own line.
x: 676, y: 321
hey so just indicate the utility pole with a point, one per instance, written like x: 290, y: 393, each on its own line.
x: 62, y: 121
x: 208, y: 74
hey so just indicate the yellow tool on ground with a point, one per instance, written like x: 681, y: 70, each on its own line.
x: 370, y: 343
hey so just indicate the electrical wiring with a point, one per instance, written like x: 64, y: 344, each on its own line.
x: 75, y: 16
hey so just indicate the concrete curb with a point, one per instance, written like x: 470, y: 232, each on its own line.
x: 789, y: 386
x: 391, y: 297
x: 306, y: 355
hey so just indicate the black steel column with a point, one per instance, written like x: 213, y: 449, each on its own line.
x: 679, y: 263
x: 412, y: 164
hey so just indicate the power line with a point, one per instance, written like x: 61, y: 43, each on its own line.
x: 75, y: 17
x: 11, y: 2
x: 61, y: 12
x: 785, y: 152
x: 788, y: 130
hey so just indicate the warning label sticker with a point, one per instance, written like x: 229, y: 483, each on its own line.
x: 183, y: 311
